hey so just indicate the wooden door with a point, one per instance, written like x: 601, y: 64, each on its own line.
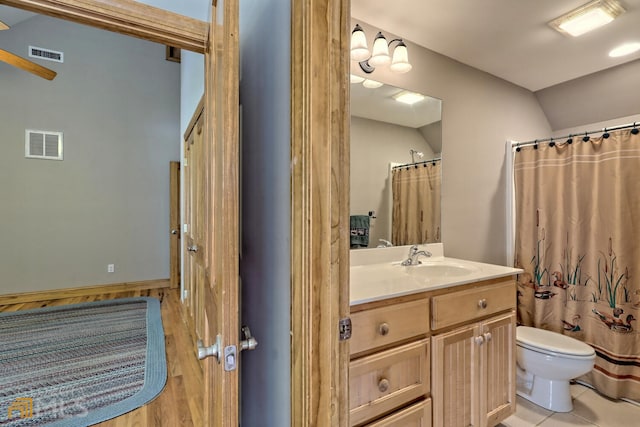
x: 195, y: 233
x: 218, y: 293
x: 498, y: 384
x: 174, y: 224
x: 455, y: 371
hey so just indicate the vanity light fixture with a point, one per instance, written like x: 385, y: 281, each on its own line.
x: 379, y: 54
x: 407, y: 97
x: 625, y: 49
x: 587, y: 17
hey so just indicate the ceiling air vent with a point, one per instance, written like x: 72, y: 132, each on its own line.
x: 40, y: 144
x: 48, y: 54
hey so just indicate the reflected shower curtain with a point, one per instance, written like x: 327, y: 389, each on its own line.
x: 578, y: 240
x: 416, y: 204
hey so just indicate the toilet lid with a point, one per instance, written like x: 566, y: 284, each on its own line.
x: 551, y: 341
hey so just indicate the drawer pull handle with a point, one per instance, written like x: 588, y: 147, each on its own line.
x: 482, y: 303
x: 479, y: 340
x: 487, y: 336
x: 383, y: 385
x: 383, y: 329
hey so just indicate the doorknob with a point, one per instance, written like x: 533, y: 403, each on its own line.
x: 212, y: 350
x: 192, y: 248
x: 249, y: 342
x: 174, y: 231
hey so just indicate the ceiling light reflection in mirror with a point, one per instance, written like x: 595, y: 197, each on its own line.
x: 381, y: 104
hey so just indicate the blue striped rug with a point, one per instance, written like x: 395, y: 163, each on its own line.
x: 80, y: 364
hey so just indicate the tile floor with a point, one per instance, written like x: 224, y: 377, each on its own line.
x: 589, y: 409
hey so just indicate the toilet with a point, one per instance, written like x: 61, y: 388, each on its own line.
x: 546, y: 362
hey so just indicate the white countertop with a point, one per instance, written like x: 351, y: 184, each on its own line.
x: 376, y: 274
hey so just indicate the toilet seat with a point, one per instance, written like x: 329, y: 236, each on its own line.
x: 552, y: 343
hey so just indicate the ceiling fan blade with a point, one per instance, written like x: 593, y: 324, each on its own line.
x: 27, y: 65
x: 3, y: 26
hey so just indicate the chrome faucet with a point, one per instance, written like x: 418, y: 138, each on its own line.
x: 414, y: 254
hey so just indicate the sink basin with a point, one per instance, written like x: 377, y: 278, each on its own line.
x: 438, y: 269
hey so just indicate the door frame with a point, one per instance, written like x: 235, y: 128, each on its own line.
x: 319, y: 177
x: 320, y: 211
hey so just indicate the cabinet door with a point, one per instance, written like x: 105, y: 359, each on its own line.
x: 498, y: 384
x: 456, y: 377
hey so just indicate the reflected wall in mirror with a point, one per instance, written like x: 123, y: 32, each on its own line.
x: 386, y: 133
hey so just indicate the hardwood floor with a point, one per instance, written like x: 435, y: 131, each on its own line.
x: 180, y: 403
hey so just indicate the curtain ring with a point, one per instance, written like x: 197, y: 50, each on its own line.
x: 605, y: 135
x: 535, y: 144
x: 570, y: 140
x: 634, y: 131
x: 518, y: 147
x: 585, y: 138
x: 551, y: 143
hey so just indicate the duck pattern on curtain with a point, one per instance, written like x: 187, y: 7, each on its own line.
x: 578, y: 240
x: 416, y: 204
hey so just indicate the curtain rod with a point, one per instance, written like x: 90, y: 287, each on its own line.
x: 424, y: 162
x: 633, y: 125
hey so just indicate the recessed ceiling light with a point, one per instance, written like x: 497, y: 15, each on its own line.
x: 407, y: 97
x: 356, y: 79
x: 625, y: 49
x: 587, y: 17
x: 371, y: 84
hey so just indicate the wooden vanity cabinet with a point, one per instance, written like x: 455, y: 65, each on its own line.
x: 444, y: 358
x: 473, y: 365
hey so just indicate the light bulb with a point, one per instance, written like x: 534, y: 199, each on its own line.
x: 400, y: 62
x: 359, y: 49
x: 380, y: 51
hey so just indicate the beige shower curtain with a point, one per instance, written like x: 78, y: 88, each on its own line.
x: 416, y: 204
x: 578, y: 240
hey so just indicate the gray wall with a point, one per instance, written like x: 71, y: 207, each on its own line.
x: 266, y: 218
x: 117, y: 101
x: 597, y: 125
x: 374, y: 145
x: 479, y: 113
x: 600, y: 96
x: 433, y: 134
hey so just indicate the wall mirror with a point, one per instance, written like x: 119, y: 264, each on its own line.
x: 388, y: 136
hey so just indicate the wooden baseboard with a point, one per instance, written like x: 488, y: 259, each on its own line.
x: 82, y: 291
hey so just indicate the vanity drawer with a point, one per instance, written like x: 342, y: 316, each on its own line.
x: 388, y: 380
x: 463, y: 306
x: 380, y: 326
x: 416, y: 415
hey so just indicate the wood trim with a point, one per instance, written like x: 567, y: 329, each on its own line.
x: 126, y: 17
x: 25, y: 297
x: 320, y: 211
x: 194, y: 119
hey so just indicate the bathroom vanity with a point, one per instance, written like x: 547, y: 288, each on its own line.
x: 432, y: 344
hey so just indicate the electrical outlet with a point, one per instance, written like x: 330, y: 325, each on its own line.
x: 111, y: 268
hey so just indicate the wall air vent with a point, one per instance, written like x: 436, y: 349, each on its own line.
x: 48, y: 54
x: 40, y: 144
